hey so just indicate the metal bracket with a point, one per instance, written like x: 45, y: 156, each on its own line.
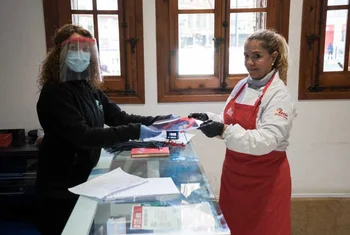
x: 223, y: 85
x: 218, y: 42
x: 310, y: 39
x: 133, y: 42
x: 128, y: 90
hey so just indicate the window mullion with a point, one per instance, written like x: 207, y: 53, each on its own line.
x: 219, y: 40
x: 347, y: 42
x: 271, y: 14
x: 319, y: 46
x: 122, y: 29
x: 64, y: 12
x: 130, y: 37
x: 173, y: 55
x: 94, y: 15
x: 225, y: 27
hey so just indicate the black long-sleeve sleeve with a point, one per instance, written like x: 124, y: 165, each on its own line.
x: 114, y: 116
x: 64, y: 113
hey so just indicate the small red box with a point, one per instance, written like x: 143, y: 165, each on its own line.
x: 5, y: 140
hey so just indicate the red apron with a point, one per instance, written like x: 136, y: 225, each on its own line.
x: 255, y: 191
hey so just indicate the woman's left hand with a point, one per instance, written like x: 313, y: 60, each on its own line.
x: 212, y: 128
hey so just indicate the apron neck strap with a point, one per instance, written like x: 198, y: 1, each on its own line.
x: 240, y: 91
x: 258, y: 101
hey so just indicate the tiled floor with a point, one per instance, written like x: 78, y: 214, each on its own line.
x: 321, y: 216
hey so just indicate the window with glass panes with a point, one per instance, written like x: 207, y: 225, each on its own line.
x: 117, y: 27
x: 324, y: 52
x: 200, y: 44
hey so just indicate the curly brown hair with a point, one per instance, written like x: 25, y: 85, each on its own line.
x: 50, y: 67
x: 272, y: 41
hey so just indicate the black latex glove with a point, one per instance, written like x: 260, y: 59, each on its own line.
x: 199, y: 116
x: 211, y: 128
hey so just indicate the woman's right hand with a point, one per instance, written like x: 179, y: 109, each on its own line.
x: 200, y: 116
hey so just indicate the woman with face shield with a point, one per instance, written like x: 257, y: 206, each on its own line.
x: 255, y: 125
x: 72, y: 110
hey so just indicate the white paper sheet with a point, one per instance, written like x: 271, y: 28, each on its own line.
x: 108, y: 183
x: 153, y: 187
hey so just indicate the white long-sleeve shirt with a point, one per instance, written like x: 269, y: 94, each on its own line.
x: 273, y: 123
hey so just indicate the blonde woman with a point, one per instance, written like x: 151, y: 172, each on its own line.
x: 255, y: 124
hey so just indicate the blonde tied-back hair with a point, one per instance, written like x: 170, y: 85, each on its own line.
x: 272, y: 41
x: 50, y: 67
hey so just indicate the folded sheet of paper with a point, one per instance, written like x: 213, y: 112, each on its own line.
x: 179, y: 124
x: 153, y: 187
x: 193, y: 217
x: 106, y: 184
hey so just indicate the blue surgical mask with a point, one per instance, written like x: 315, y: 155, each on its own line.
x: 78, y: 61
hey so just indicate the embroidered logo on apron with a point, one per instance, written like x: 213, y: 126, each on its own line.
x: 230, y: 112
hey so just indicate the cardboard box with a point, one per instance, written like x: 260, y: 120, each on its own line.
x: 5, y: 140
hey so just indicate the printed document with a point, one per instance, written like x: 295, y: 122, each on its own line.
x: 104, y: 185
x: 192, y: 217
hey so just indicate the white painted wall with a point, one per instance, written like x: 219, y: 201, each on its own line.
x: 319, y: 152
x: 22, y: 48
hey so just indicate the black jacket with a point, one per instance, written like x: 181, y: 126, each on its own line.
x: 73, y: 115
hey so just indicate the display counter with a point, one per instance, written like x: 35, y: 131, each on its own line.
x: 193, y: 211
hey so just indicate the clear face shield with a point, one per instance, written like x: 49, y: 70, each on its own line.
x: 79, y: 60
